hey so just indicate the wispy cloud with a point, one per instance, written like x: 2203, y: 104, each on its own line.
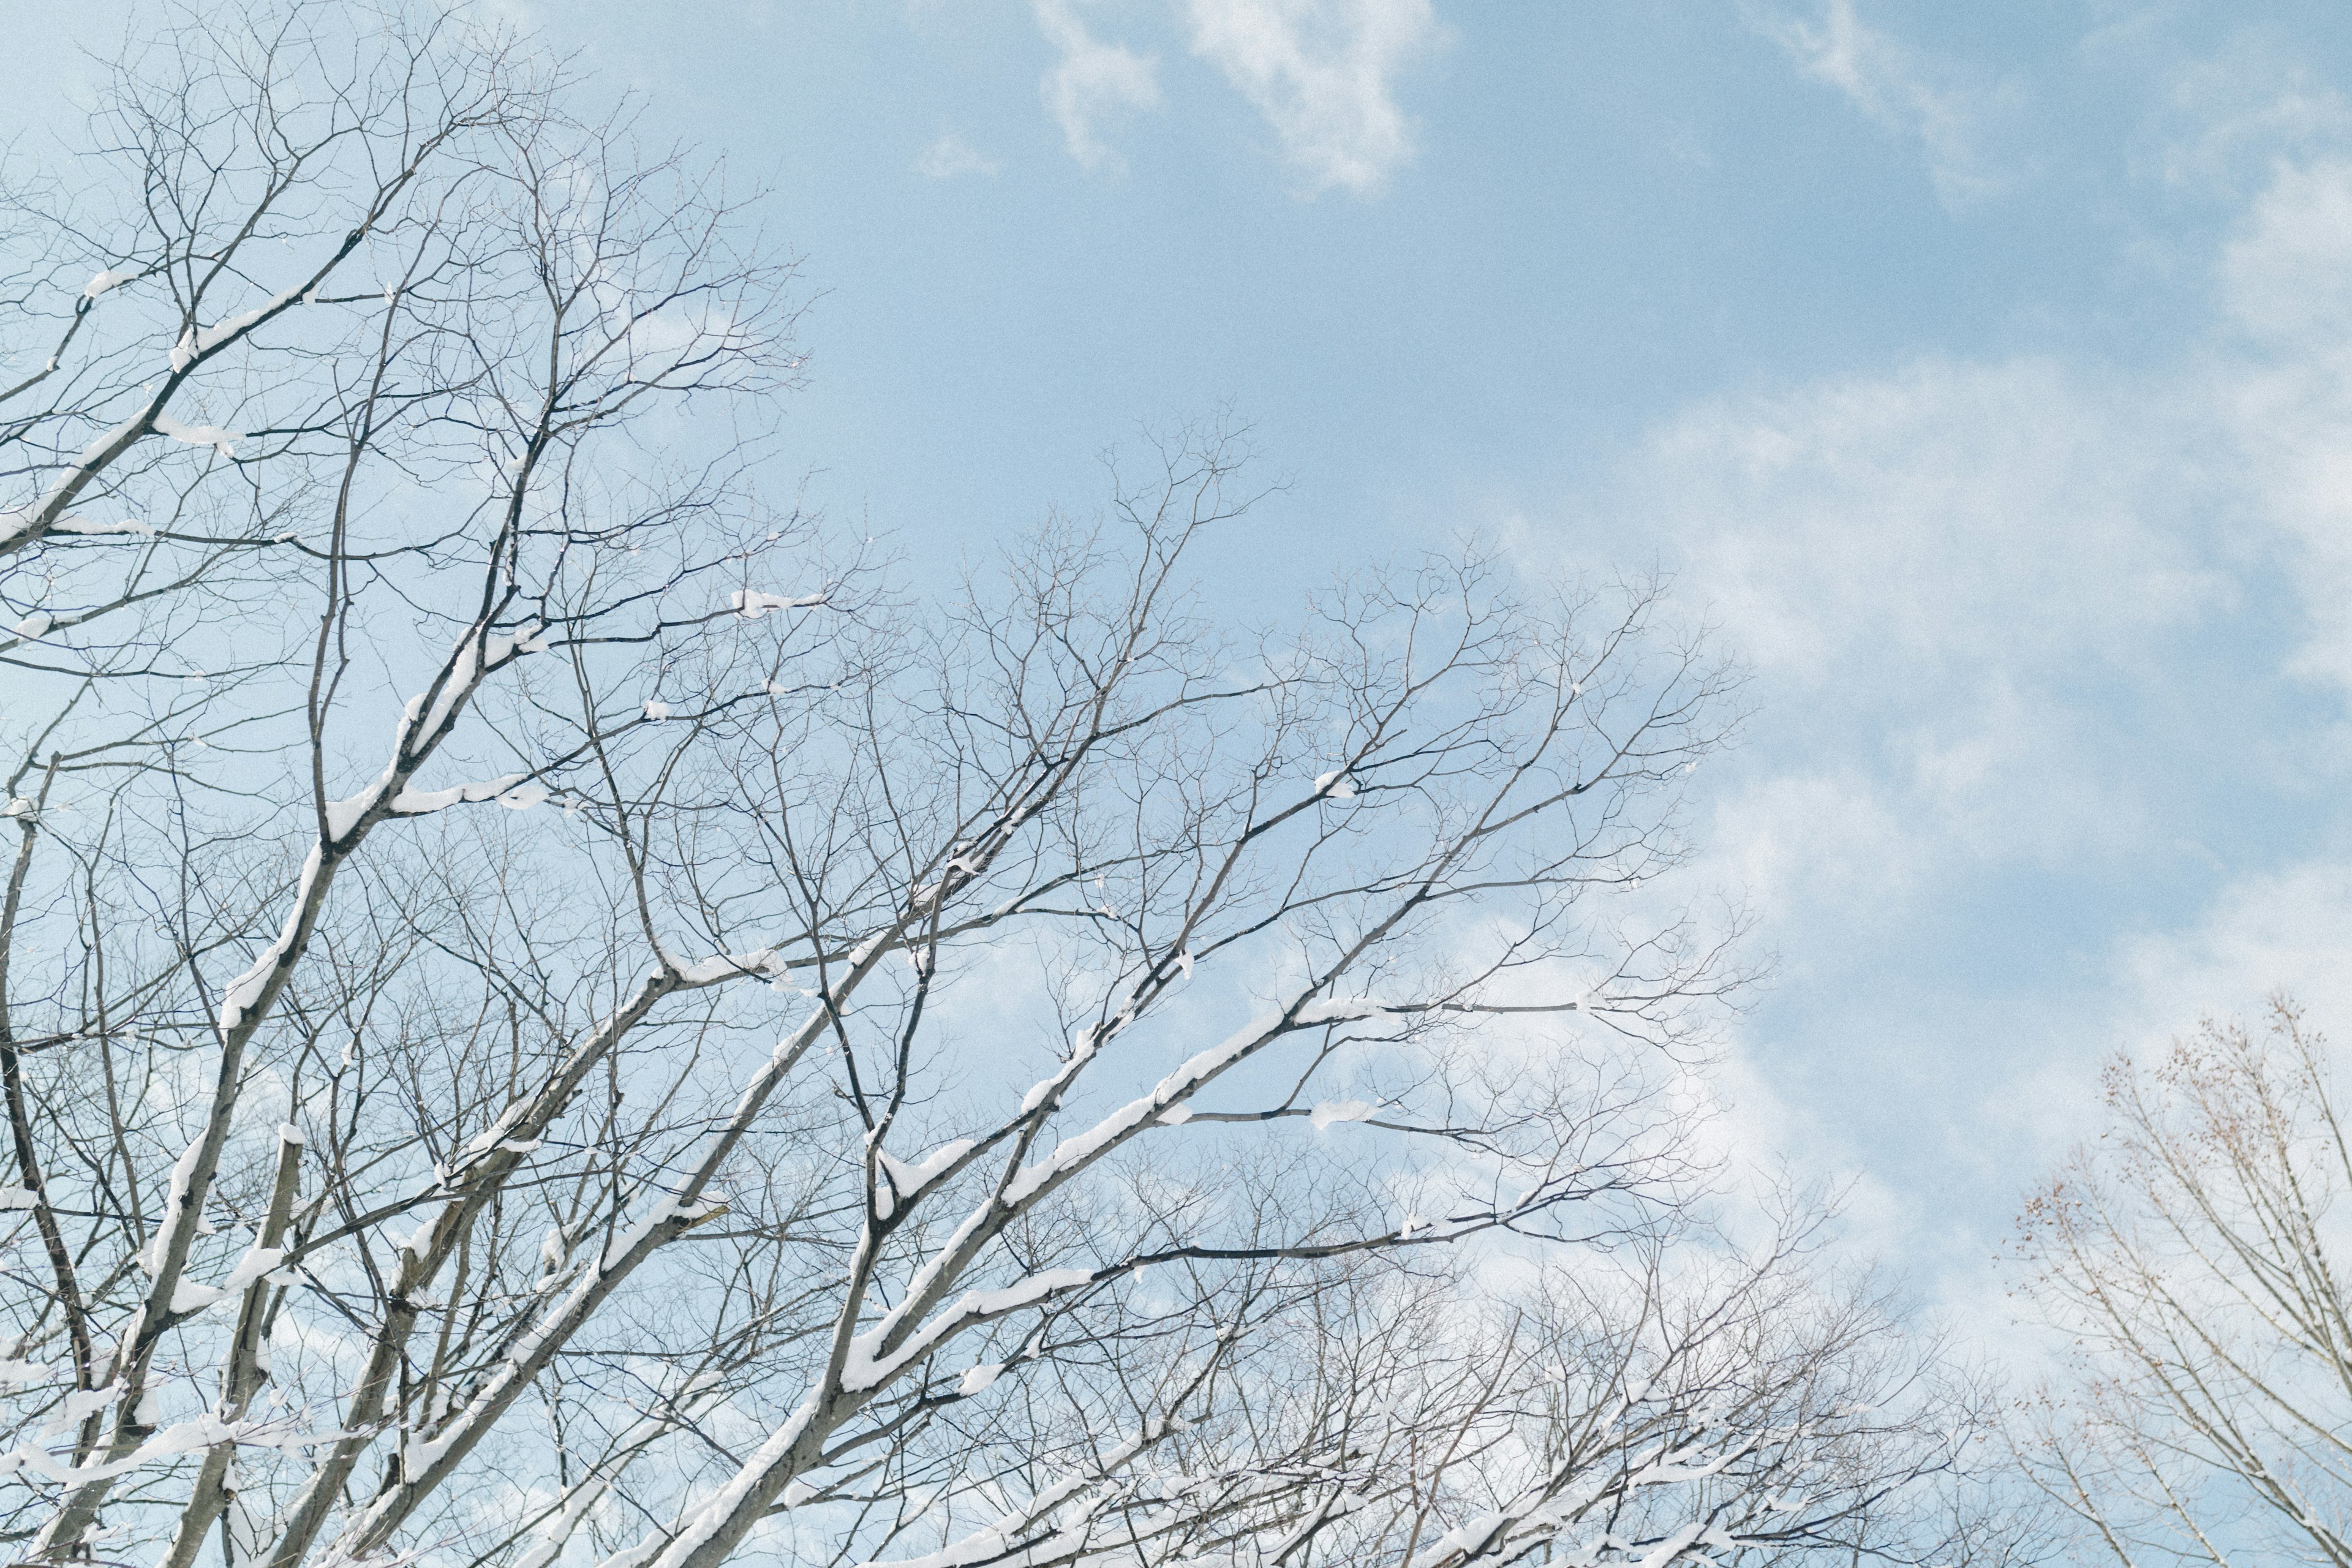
x: 2054, y: 653
x: 951, y: 157
x: 1903, y: 90
x: 2286, y: 280
x: 1866, y: 540
x: 1091, y: 83
x: 2234, y: 116
x: 1323, y: 73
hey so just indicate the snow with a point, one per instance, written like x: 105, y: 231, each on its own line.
x: 627, y: 1239
x: 1672, y: 1546
x: 1176, y: 1115
x: 289, y: 1134
x: 246, y: 988
x: 82, y: 1402
x: 258, y: 1261
x: 656, y: 710
x: 1471, y: 1536
x: 1339, y: 1009
x: 15, y: 524
x: 867, y: 1370
x: 557, y: 1531
x: 1335, y: 784
x: 35, y: 626
x: 1672, y: 1466
x: 1083, y: 1148
x: 17, y: 1198
x: 196, y: 342
x: 993, y: 1545
x: 418, y: 1455
x: 701, y: 1521
x: 183, y: 1175
x: 103, y: 281
x: 414, y: 802
x: 83, y: 525
x: 183, y: 1438
x: 17, y: 806
x: 1332, y: 1110
x: 976, y: 1379
x: 474, y: 656
x: 909, y: 1180
x: 725, y: 966
x: 1082, y: 1050
x: 750, y: 603
x: 212, y: 436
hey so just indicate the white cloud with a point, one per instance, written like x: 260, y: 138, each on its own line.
x: 1904, y: 90
x: 1806, y: 839
x: 2048, y: 658
x: 1092, y: 82
x: 2284, y: 273
x: 951, y: 156
x: 1951, y: 530
x: 2234, y: 116
x: 2286, y: 282
x: 1323, y: 73
x: 2027, y: 635
x: 2272, y: 930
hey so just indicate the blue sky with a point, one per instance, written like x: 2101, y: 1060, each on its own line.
x: 1983, y: 370
x: 1979, y: 368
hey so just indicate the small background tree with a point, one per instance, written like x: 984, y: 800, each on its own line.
x: 2193, y: 1259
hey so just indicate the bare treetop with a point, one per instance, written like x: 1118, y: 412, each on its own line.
x: 551, y: 1013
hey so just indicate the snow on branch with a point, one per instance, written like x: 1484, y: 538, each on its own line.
x: 750, y: 603
x: 197, y: 341
x: 212, y: 436
x: 869, y: 1366
x: 19, y: 525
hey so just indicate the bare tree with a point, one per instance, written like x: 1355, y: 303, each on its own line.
x: 545, y: 1011
x: 2189, y: 1257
